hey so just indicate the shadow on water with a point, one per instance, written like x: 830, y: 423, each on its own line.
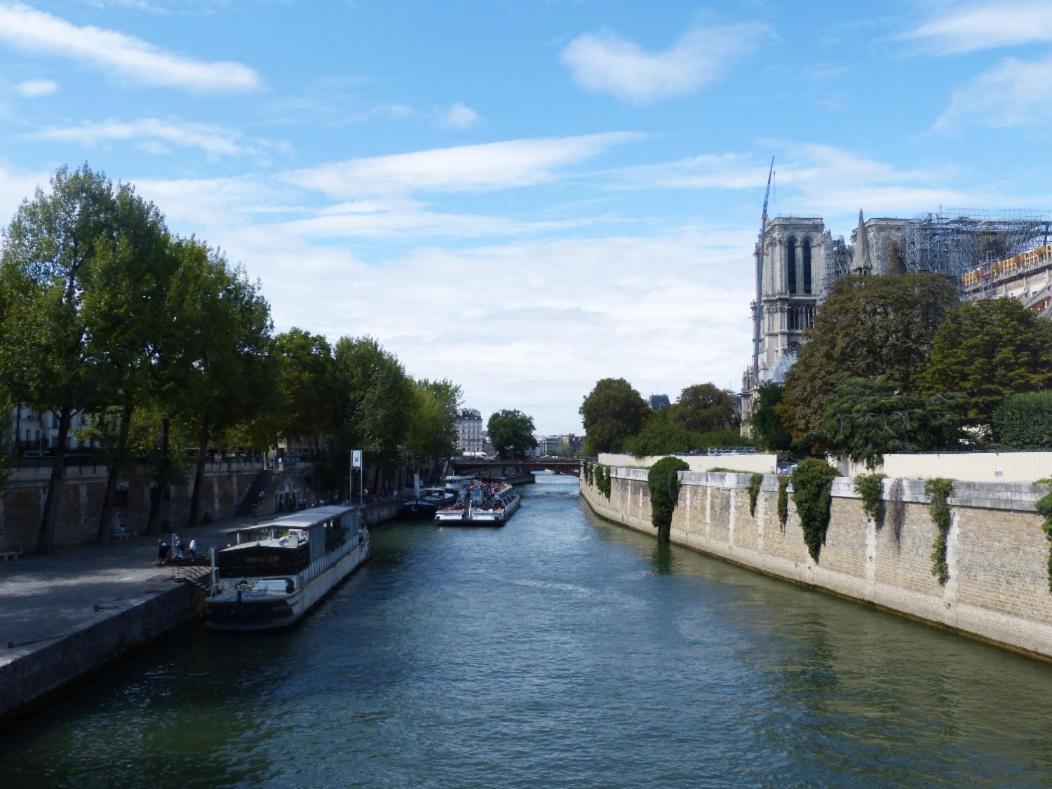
x: 662, y: 559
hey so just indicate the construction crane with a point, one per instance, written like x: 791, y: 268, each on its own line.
x: 758, y: 304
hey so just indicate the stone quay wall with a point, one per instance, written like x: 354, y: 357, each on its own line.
x: 997, y: 553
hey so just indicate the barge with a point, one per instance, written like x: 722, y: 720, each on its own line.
x: 278, y: 571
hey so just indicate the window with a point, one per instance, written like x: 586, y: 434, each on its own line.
x: 807, y: 265
x: 790, y: 276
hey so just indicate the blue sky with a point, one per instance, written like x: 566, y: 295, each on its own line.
x: 527, y: 196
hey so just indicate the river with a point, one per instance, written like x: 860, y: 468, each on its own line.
x: 558, y: 650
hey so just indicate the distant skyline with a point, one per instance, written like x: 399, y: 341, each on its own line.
x: 526, y: 197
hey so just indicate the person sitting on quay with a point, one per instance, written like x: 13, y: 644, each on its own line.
x: 162, y: 553
x: 193, y: 547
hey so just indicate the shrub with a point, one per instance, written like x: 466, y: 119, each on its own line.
x: 1044, y: 508
x: 1025, y: 420
x: 783, y: 500
x: 602, y: 479
x: 939, y: 490
x: 663, y: 482
x: 754, y: 492
x: 812, y: 493
x: 869, y: 487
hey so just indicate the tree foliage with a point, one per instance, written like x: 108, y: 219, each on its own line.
x: 813, y: 496
x: 987, y: 351
x: 612, y: 413
x: 883, y: 325
x: 768, y: 426
x: 663, y: 484
x: 511, y: 433
x: 1024, y: 421
x: 432, y: 432
x: 702, y: 408
x: 868, y: 417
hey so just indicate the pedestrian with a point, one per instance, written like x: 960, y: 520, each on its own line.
x: 193, y: 547
x: 162, y: 553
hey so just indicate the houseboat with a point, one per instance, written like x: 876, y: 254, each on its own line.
x: 278, y: 571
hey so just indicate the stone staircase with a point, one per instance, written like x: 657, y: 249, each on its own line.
x: 257, y: 493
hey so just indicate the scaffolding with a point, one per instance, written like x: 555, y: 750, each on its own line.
x: 960, y: 240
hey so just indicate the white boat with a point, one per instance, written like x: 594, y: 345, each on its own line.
x: 496, y: 507
x: 279, y: 570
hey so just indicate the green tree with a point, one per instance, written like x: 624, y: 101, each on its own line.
x: 704, y: 407
x: 306, y: 386
x: 868, y: 326
x: 868, y: 417
x: 768, y: 426
x: 1025, y: 420
x: 511, y: 433
x: 432, y: 432
x: 612, y: 413
x: 987, y: 351
x: 46, y: 267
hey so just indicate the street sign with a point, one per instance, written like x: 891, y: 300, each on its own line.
x: 356, y: 458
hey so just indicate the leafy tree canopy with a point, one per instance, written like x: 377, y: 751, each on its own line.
x: 868, y: 417
x: 432, y: 432
x: 1025, y: 420
x: 705, y: 407
x: 612, y: 413
x: 987, y: 351
x: 867, y: 326
x: 663, y: 435
x: 511, y: 433
x: 768, y: 427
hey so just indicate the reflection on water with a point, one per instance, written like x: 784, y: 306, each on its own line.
x: 556, y: 650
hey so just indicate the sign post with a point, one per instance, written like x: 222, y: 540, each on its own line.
x: 356, y: 463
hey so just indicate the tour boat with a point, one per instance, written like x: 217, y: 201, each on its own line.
x: 485, y: 504
x: 279, y: 570
x: 429, y: 502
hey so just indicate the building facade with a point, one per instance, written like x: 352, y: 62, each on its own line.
x: 470, y: 436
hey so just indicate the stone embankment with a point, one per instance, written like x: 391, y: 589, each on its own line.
x: 997, y: 553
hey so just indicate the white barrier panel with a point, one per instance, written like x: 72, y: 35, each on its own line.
x: 964, y: 466
x: 753, y: 462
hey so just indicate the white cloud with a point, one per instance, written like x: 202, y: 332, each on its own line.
x: 156, y: 136
x: 606, y: 63
x: 984, y: 26
x: 458, y: 116
x: 131, y: 58
x: 16, y: 186
x: 498, y: 165
x: 1012, y: 93
x: 36, y: 87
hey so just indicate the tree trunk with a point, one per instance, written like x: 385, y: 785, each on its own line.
x: 663, y: 533
x: 46, y: 538
x: 199, y: 476
x: 106, y: 516
x: 162, y: 484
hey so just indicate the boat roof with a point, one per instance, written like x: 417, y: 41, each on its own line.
x: 304, y: 518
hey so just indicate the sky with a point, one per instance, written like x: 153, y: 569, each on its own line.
x: 525, y: 197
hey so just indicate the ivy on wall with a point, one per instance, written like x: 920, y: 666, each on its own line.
x: 939, y: 490
x: 813, y: 496
x: 602, y: 479
x: 587, y: 469
x: 783, y: 500
x: 663, y: 482
x: 1044, y: 509
x: 869, y: 487
x: 754, y: 492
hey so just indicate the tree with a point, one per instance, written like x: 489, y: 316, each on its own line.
x: 768, y: 427
x: 511, y: 433
x: 704, y: 407
x: 46, y: 268
x: 432, y: 430
x: 987, y: 351
x: 306, y: 386
x: 868, y: 326
x: 1025, y: 420
x: 868, y: 417
x: 612, y: 413
x: 661, y: 434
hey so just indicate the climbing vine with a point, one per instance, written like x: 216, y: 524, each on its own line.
x: 663, y: 482
x: 783, y: 500
x: 813, y: 495
x: 1044, y: 508
x: 754, y: 492
x: 587, y: 468
x: 602, y: 479
x: 869, y: 487
x: 939, y: 490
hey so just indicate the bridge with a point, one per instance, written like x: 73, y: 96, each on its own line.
x: 515, y: 470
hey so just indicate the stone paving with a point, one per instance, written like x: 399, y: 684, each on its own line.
x: 44, y: 598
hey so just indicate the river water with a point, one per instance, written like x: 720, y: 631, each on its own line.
x: 558, y: 650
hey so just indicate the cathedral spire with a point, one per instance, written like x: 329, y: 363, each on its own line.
x: 861, y: 263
